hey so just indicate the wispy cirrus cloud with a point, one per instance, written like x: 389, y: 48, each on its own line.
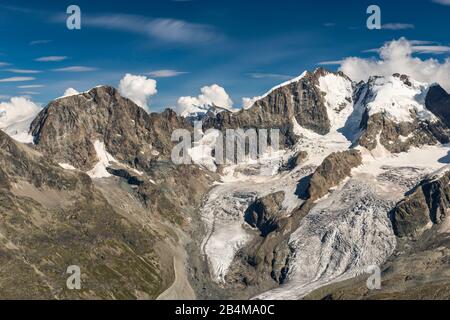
x: 164, y: 29
x: 4, y: 64
x: 51, y: 59
x: 330, y: 63
x: 443, y: 2
x: 165, y: 73
x: 75, y: 69
x: 31, y: 86
x: 17, y: 79
x: 257, y: 75
x: 418, y: 46
x: 30, y: 93
x: 397, y: 26
x: 431, y: 49
x: 24, y: 71
x: 36, y: 42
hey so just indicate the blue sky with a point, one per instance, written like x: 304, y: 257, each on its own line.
x: 246, y: 47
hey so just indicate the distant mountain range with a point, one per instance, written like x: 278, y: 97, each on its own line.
x: 361, y: 181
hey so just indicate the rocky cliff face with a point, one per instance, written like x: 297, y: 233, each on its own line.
x: 438, y: 102
x: 300, y: 99
x: 425, y: 206
x: 333, y: 170
x: 264, y: 213
x: 68, y: 127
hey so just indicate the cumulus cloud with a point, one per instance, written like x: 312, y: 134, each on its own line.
x: 210, y: 95
x: 247, y: 103
x: 70, y: 92
x: 397, y: 57
x: 138, y: 89
x: 16, y: 109
x: 16, y: 116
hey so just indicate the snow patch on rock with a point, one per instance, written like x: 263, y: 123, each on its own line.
x: 105, y: 159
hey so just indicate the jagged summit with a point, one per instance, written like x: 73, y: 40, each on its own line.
x: 67, y: 129
x: 199, y: 112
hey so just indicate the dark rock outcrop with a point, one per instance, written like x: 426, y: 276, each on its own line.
x: 264, y: 213
x: 400, y: 137
x: 438, y: 102
x: 296, y: 160
x: 427, y: 204
x: 333, y: 170
x: 125, y: 174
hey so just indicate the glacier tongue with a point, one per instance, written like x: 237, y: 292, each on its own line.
x: 335, y: 244
x: 223, y: 211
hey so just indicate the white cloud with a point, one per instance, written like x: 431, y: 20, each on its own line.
x: 23, y: 71
x: 138, y: 89
x: 431, y: 49
x: 75, y: 69
x: 30, y: 93
x: 270, y: 75
x: 17, y: 79
x: 397, y: 57
x: 31, y: 86
x: 165, y: 73
x: 330, y: 63
x: 397, y: 26
x: 16, y: 117
x: 169, y: 30
x: 35, y: 42
x: 4, y: 64
x: 70, y: 92
x: 443, y: 2
x: 51, y: 58
x: 420, y: 47
x: 210, y: 95
x: 247, y: 103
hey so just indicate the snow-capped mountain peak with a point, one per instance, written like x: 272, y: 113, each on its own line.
x: 397, y: 97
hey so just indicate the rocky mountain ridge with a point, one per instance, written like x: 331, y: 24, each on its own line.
x: 338, y: 137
